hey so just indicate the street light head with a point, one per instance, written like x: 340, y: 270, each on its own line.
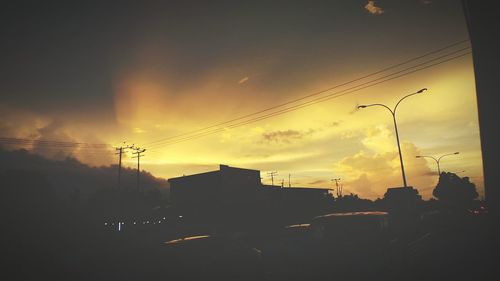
x: 361, y: 106
x: 421, y: 90
x: 456, y: 152
x: 418, y: 156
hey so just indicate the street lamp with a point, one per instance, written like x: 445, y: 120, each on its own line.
x: 437, y: 160
x: 393, y: 112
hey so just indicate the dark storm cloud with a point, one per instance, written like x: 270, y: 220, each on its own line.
x: 54, y: 131
x: 60, y: 53
x: 69, y: 174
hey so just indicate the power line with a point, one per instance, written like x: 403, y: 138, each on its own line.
x: 55, y: 144
x: 327, y: 97
x: 320, y: 99
x: 286, y: 110
x: 315, y: 93
x: 65, y: 149
x: 23, y: 141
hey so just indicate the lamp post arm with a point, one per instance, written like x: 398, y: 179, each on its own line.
x: 380, y: 104
x: 445, y: 155
x: 431, y: 158
x: 396, y: 106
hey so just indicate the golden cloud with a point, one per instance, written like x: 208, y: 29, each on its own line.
x: 372, y: 9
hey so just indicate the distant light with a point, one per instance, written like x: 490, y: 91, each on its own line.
x: 147, y: 221
x: 164, y: 218
x: 134, y: 222
x: 180, y: 217
x: 159, y: 221
x: 105, y: 223
x: 119, y: 226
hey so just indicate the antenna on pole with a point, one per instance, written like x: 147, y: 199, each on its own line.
x: 272, y: 174
x: 339, y: 188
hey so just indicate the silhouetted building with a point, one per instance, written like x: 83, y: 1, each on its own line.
x: 303, y: 194
x: 226, y: 190
x: 237, y: 194
x: 297, y: 204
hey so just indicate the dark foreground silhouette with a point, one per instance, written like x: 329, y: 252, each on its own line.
x: 45, y: 237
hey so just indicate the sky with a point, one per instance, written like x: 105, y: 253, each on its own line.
x: 146, y: 72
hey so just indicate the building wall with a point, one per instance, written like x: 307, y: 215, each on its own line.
x: 218, y: 191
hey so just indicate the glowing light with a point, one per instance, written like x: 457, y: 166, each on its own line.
x: 187, y: 239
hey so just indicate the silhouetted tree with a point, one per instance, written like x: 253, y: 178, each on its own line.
x: 455, y: 191
x: 352, y: 202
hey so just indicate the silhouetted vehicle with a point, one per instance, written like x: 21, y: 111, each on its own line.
x: 286, y: 250
x: 356, y: 227
x: 356, y: 243
x: 229, y: 256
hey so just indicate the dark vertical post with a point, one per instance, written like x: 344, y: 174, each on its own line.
x: 482, y: 22
x: 399, y: 149
x: 138, y: 152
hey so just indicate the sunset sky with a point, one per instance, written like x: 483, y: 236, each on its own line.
x: 145, y: 72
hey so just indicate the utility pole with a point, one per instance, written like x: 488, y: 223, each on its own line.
x: 282, y: 182
x: 289, y: 184
x: 120, y: 150
x: 138, y: 154
x: 339, y: 189
x: 272, y: 174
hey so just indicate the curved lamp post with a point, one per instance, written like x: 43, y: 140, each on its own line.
x: 437, y: 160
x: 393, y: 112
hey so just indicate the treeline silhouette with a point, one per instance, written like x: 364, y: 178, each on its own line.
x: 53, y: 214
